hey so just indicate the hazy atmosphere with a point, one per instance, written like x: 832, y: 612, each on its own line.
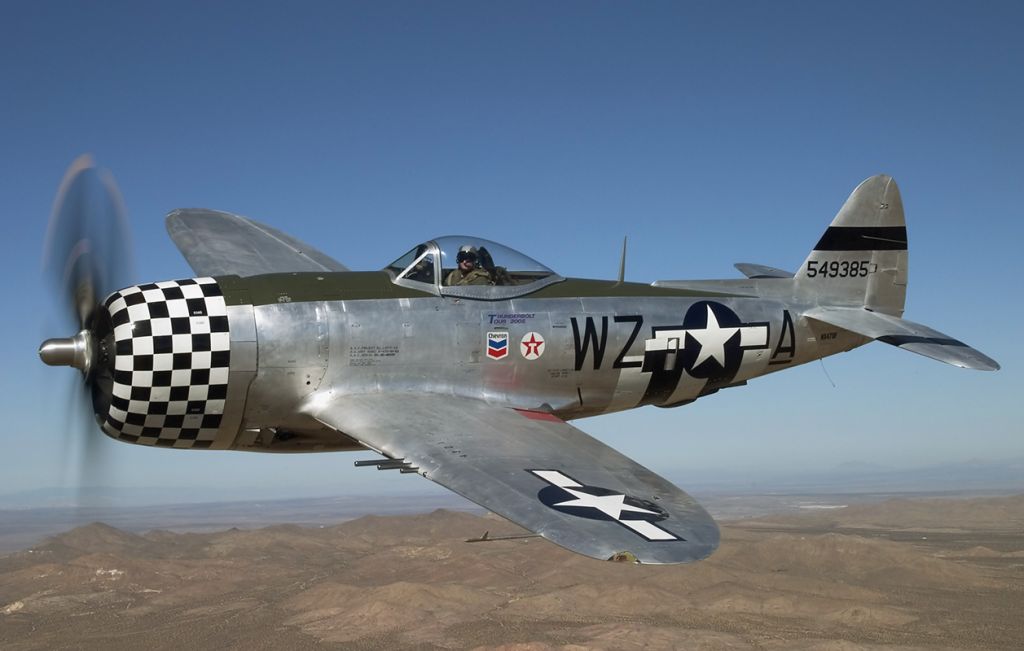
x: 708, y: 133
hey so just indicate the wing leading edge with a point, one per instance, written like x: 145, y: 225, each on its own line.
x: 218, y: 244
x: 534, y: 469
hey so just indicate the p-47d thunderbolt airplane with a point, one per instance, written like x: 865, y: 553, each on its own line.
x: 462, y: 360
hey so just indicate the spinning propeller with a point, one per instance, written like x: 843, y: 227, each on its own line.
x: 86, y: 256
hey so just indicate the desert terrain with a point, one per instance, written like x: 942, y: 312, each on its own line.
x: 898, y: 574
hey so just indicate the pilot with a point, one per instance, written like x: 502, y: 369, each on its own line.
x: 467, y: 272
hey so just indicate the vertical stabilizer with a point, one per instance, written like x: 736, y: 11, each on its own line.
x: 861, y: 260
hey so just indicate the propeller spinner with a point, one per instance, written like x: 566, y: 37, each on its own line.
x: 74, y: 351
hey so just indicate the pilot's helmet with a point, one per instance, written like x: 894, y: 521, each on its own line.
x: 466, y: 253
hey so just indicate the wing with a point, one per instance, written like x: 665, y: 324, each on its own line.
x: 533, y: 469
x: 218, y: 244
x: 904, y: 334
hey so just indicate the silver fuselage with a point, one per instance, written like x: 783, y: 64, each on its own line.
x: 600, y: 355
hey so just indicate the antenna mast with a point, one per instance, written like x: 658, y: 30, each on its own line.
x: 622, y: 261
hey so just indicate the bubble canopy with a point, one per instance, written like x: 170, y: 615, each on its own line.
x: 500, y: 272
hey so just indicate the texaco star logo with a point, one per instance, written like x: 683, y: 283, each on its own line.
x: 567, y: 495
x: 532, y: 345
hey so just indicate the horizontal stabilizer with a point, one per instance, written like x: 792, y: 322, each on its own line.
x: 751, y: 270
x: 904, y: 334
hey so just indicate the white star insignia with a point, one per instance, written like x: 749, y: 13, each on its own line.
x: 712, y: 340
x: 611, y: 505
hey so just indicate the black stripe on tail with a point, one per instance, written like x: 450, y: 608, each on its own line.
x: 863, y: 238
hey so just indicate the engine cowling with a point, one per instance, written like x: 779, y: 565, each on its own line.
x: 165, y: 352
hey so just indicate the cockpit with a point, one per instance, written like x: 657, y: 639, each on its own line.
x: 470, y: 267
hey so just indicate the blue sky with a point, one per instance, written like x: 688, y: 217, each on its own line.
x: 709, y: 133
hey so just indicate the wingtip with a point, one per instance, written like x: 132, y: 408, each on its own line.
x: 990, y: 365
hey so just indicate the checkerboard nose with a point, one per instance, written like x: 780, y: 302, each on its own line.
x: 172, y: 352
